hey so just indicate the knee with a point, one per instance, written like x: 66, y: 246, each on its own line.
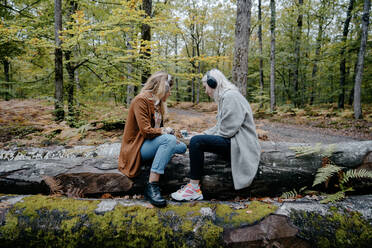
x: 170, y: 140
x: 195, y: 141
x: 182, y: 147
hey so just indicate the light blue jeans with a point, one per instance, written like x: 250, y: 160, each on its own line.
x: 161, y: 149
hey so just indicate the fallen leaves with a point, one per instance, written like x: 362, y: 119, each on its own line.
x: 5, y: 204
x: 107, y: 196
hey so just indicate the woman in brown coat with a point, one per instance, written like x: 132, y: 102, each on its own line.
x: 144, y: 137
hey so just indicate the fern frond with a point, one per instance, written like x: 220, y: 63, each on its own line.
x: 336, y: 196
x: 289, y: 194
x: 328, y: 151
x: 357, y: 174
x: 302, y: 189
x: 317, y: 149
x: 306, y: 150
x: 325, y: 173
x: 55, y: 185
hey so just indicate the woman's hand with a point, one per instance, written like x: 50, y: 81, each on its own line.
x: 167, y: 130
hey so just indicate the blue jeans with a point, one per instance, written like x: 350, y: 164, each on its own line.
x: 161, y: 149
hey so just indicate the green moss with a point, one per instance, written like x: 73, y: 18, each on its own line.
x: 338, y: 229
x: 256, y: 211
x: 41, y: 221
x: 31, y: 204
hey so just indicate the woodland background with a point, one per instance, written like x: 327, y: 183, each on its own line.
x: 109, y: 48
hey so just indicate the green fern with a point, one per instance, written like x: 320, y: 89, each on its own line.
x: 336, y: 196
x: 289, y: 194
x: 306, y: 150
x: 357, y: 174
x: 325, y: 173
x: 317, y: 149
x: 328, y: 151
x: 293, y: 193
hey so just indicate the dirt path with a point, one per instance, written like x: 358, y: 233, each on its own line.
x: 30, y: 123
x: 277, y: 132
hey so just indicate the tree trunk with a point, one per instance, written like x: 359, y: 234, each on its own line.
x: 360, y: 66
x: 6, y: 65
x: 316, y: 59
x: 241, y: 47
x: 59, y: 112
x: 298, y: 54
x: 71, y: 67
x: 70, y: 88
x: 193, y: 73
x: 130, y: 87
x: 272, y: 56
x: 341, y: 96
x: 146, y: 37
x: 176, y: 67
x: 93, y: 170
x: 261, y: 53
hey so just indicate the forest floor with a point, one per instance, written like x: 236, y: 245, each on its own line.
x: 30, y: 123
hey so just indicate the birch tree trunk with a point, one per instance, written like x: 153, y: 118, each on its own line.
x: 261, y: 53
x: 362, y: 51
x: 242, y: 36
x: 316, y: 59
x: 58, y: 61
x: 341, y: 96
x: 272, y: 56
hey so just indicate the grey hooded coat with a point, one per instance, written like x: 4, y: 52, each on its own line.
x: 235, y: 121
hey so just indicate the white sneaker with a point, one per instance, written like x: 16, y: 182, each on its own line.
x: 187, y: 193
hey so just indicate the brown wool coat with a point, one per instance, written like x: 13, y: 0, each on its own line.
x: 138, y: 127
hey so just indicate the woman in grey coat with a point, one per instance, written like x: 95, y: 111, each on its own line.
x: 234, y: 135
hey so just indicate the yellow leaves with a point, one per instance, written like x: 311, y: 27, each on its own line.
x: 79, y: 17
x: 34, y: 41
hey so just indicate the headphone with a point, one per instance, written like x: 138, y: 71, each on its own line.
x: 167, y: 83
x: 211, y: 81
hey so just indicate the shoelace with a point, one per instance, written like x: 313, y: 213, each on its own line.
x: 187, y: 185
x: 182, y: 187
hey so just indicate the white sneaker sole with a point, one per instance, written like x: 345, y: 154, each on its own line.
x: 190, y: 198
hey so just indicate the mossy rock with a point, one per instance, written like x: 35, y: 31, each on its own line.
x: 42, y: 221
x: 340, y: 228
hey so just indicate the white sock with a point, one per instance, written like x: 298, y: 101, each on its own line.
x: 195, y: 186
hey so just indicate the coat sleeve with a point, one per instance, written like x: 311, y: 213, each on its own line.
x: 231, y: 118
x: 143, y: 118
x: 210, y: 131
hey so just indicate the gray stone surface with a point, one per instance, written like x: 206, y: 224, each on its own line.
x: 105, y: 206
x: 359, y: 203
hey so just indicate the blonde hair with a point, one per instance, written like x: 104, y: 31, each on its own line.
x: 222, y: 83
x: 159, y: 84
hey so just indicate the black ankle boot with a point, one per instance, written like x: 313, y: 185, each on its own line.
x: 152, y: 194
